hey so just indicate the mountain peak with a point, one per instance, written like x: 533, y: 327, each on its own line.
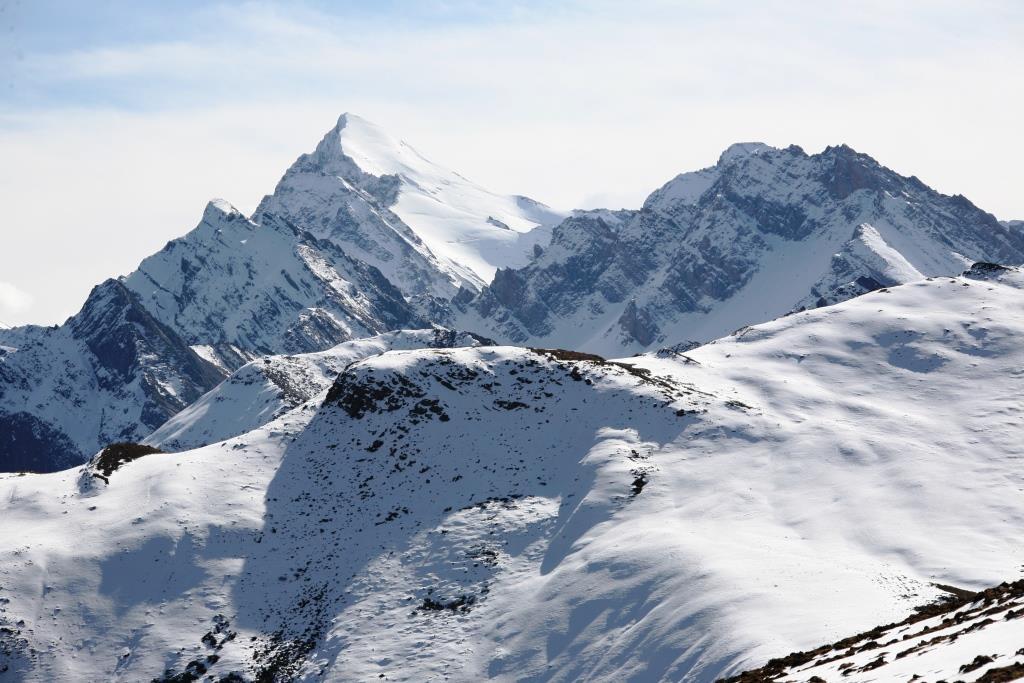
x: 375, y: 152
x: 347, y: 116
x: 687, y: 188
x: 739, y: 150
x: 356, y: 147
x: 711, y: 247
x: 219, y: 209
x: 109, y: 292
x: 841, y: 149
x: 370, y: 192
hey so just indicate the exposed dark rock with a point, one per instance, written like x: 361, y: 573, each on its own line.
x: 1003, y: 674
x: 111, y: 458
x: 979, y: 602
x: 27, y: 444
x: 462, y: 604
x: 638, y: 324
x: 982, y: 269
x: 123, y: 336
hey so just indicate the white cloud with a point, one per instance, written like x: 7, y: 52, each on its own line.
x: 12, y: 301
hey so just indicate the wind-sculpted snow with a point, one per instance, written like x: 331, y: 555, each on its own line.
x: 266, y: 388
x: 513, y: 514
x: 304, y: 554
x: 764, y: 232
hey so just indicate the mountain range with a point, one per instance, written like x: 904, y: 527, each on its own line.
x: 364, y: 235
x: 764, y: 232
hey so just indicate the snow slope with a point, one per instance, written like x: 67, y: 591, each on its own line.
x: 499, y: 513
x: 266, y: 388
x: 972, y: 638
x: 763, y: 232
x: 428, y: 229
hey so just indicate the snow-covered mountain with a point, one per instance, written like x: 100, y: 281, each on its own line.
x: 147, y: 345
x: 302, y: 275
x: 266, y: 388
x: 236, y: 289
x: 363, y: 500
x: 513, y: 514
x: 112, y: 372
x: 428, y: 229
x: 364, y: 236
x: 763, y: 232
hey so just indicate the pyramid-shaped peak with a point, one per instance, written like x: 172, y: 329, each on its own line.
x: 353, y: 126
x: 356, y: 145
x: 220, y: 209
x: 348, y: 118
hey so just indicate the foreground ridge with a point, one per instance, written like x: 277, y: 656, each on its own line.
x: 935, y: 643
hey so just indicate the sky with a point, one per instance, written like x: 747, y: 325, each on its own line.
x: 120, y: 119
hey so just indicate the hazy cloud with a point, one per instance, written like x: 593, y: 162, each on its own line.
x: 13, y: 301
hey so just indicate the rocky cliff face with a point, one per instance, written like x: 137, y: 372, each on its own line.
x: 764, y: 232
x: 145, y: 347
x: 242, y: 289
x: 112, y: 372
